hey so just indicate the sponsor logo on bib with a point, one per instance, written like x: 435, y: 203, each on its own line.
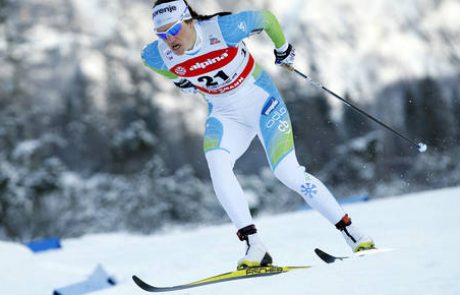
x: 208, y: 62
x: 213, y: 41
x: 180, y: 71
x: 212, y: 61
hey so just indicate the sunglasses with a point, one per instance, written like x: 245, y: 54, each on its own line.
x: 172, y: 31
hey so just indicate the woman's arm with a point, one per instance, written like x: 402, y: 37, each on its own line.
x: 153, y: 60
x: 236, y: 27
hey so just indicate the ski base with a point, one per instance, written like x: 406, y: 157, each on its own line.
x: 328, y: 258
x: 251, y: 272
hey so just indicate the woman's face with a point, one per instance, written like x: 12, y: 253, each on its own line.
x: 183, y: 41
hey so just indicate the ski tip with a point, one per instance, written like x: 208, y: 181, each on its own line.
x: 138, y: 281
x: 321, y: 253
x: 328, y: 258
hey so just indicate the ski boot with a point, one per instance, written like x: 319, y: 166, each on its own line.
x: 354, y: 238
x: 256, y: 252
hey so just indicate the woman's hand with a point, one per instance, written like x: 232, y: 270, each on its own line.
x: 185, y: 86
x: 285, y: 56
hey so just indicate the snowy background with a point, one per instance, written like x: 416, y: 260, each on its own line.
x: 425, y: 259
x: 93, y: 142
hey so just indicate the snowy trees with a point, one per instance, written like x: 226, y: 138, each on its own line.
x: 315, y: 132
x: 430, y: 115
x: 51, y: 200
x: 438, y: 118
x: 355, y: 124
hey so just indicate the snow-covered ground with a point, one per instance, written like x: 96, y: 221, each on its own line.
x: 422, y: 227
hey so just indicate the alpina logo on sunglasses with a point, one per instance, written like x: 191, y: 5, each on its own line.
x: 165, y: 9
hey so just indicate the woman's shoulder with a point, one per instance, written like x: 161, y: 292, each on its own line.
x: 151, y: 54
x: 240, y: 20
x: 244, y: 14
x: 151, y: 48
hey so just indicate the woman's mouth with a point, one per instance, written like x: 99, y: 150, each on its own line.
x: 176, y: 47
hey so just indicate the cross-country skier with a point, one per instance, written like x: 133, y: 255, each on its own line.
x: 207, y: 54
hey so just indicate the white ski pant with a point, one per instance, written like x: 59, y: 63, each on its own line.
x: 233, y: 122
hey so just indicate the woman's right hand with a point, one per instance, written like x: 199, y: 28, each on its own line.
x: 185, y: 86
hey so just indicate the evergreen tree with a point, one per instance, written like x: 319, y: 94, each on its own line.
x: 355, y: 125
x: 437, y: 117
x: 3, y: 8
x: 315, y: 132
x: 456, y: 110
x: 412, y: 113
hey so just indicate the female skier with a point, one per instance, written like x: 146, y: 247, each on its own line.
x: 207, y: 54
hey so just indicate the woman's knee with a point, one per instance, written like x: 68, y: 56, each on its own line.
x: 290, y: 172
x: 219, y: 161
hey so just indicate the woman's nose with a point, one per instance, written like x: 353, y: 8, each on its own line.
x: 171, y: 38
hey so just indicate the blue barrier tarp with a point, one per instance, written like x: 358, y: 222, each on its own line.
x: 44, y: 245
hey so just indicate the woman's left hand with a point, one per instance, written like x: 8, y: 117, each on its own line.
x: 285, y: 57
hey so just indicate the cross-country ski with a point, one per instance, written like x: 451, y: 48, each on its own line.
x: 328, y: 258
x: 252, y: 272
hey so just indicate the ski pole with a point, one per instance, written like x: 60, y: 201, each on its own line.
x: 421, y: 147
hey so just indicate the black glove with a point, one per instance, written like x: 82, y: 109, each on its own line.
x: 186, y: 86
x: 285, y: 57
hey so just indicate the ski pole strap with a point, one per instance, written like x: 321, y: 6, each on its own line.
x: 244, y: 232
x: 343, y: 223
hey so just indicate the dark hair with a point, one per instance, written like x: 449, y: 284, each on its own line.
x: 194, y: 14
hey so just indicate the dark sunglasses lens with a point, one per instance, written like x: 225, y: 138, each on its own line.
x: 163, y: 36
x: 174, y: 30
